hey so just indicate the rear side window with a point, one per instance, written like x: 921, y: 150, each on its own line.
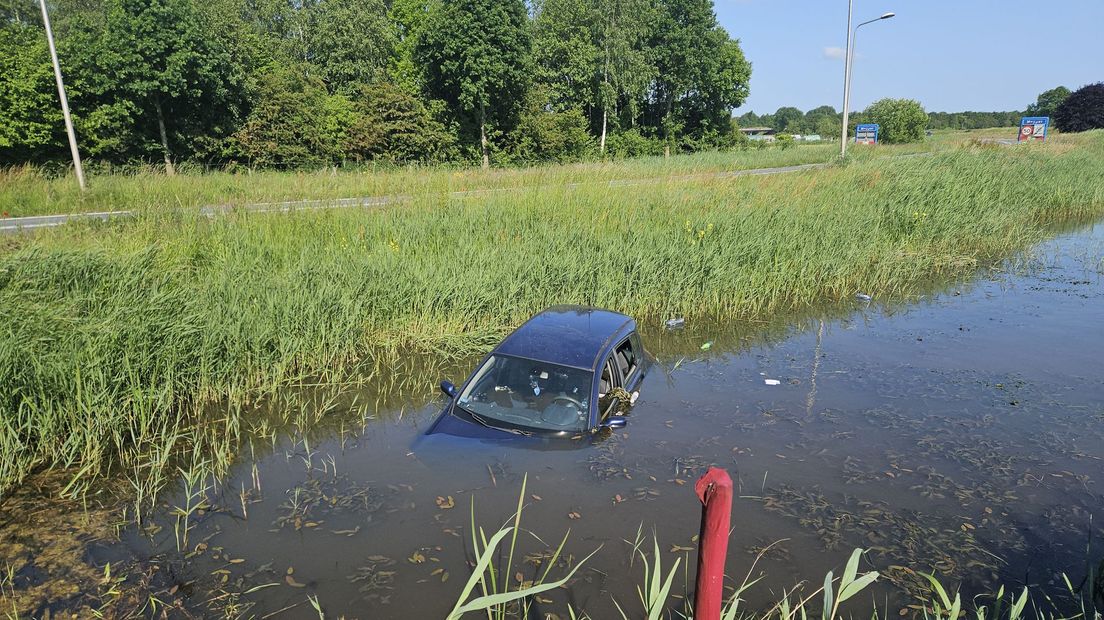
x: 626, y: 358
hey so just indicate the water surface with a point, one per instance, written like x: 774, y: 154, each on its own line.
x: 961, y: 433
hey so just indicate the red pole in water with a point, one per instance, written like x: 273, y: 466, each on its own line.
x: 714, y: 489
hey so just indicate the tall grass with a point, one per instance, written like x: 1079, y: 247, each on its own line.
x: 122, y: 344
x: 28, y: 191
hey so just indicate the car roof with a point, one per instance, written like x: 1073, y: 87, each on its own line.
x: 568, y: 335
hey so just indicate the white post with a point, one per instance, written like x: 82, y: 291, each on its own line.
x: 64, y: 99
x: 846, y: 81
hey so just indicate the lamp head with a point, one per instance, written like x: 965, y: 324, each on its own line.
x: 887, y: 16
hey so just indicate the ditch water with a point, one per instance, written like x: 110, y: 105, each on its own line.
x: 961, y: 433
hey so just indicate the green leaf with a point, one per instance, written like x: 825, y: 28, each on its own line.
x: 938, y: 590
x: 1018, y: 606
x: 857, y: 585
x: 656, y: 612
x: 493, y: 600
x: 851, y: 570
x: 827, y: 612
x: 477, y: 573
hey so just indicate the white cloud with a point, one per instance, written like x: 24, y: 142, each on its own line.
x: 837, y: 53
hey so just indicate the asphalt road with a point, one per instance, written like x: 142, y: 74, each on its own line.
x: 13, y: 225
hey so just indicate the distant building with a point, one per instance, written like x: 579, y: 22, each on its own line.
x: 759, y: 133
x: 813, y: 137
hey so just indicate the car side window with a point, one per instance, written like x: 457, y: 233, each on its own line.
x: 627, y: 361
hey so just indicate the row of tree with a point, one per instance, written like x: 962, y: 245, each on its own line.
x: 279, y: 83
x: 825, y: 120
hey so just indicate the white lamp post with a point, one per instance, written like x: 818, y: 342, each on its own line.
x: 64, y: 100
x: 849, y: 59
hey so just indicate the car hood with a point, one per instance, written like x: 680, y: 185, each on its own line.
x: 450, y: 429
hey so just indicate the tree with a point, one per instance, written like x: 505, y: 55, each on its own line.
x: 748, y: 119
x: 823, y: 120
x: 550, y: 135
x: 155, y: 63
x: 900, y: 120
x: 724, y: 86
x: 476, y: 57
x: 788, y: 119
x: 292, y: 123
x: 349, y: 41
x: 625, y: 71
x: 1048, y: 102
x: 1082, y: 110
x: 408, y: 19
x: 693, y: 90
x: 30, y: 116
x: 565, y: 54
x: 828, y: 127
x: 393, y: 125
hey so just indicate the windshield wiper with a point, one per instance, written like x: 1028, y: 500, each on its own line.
x: 478, y: 418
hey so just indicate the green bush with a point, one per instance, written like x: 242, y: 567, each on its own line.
x: 900, y: 120
x: 632, y: 143
x: 1082, y: 110
x: 545, y: 135
x: 297, y: 122
x: 292, y: 123
x: 392, y: 125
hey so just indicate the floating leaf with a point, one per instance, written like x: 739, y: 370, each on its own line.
x: 293, y: 583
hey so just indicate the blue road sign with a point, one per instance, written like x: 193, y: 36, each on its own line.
x: 866, y: 133
x: 1033, y: 128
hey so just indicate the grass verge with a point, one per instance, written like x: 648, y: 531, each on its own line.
x: 29, y: 191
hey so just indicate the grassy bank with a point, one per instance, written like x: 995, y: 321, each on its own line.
x: 28, y: 191
x: 117, y: 339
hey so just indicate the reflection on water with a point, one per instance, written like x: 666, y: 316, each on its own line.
x: 960, y: 434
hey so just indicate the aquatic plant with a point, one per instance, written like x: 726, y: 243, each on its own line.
x: 497, y: 596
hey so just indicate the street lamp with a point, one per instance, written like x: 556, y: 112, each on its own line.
x: 64, y: 100
x: 850, y: 58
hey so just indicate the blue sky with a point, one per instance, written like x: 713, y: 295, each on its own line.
x: 951, y: 55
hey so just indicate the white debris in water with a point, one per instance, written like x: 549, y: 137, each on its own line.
x: 772, y: 381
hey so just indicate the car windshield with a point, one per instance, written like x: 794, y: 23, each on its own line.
x: 527, y: 393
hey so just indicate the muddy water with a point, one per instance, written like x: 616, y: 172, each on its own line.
x: 961, y: 433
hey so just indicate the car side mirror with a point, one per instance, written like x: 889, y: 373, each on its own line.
x: 615, y: 421
x: 448, y: 388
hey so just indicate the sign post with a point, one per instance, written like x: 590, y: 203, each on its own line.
x: 1033, y: 128
x: 866, y: 133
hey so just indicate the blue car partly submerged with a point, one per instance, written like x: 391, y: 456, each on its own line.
x: 567, y: 372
